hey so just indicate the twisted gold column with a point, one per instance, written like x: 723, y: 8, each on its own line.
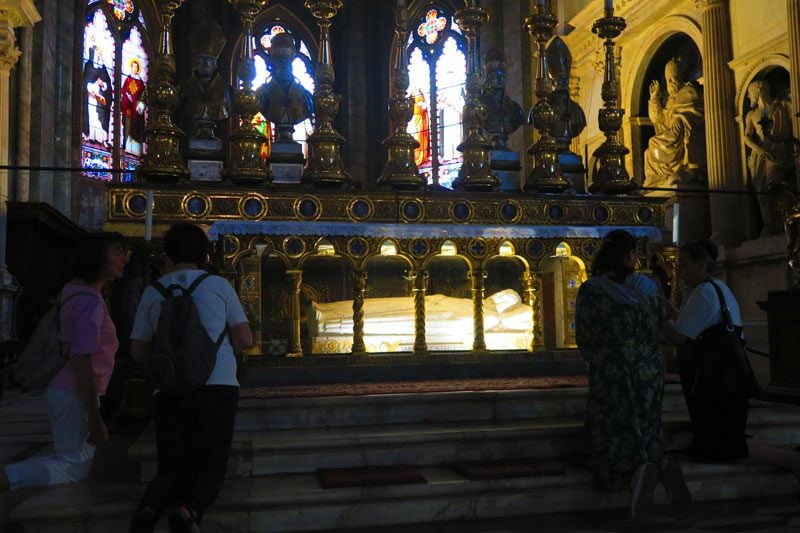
x: 162, y: 161
x: 475, y: 173
x: 529, y: 299
x: 419, y: 284
x: 538, y: 314
x: 359, y: 290
x: 610, y: 175
x: 400, y: 172
x: 478, y: 294
x: 324, y: 167
x: 295, y: 349
x: 245, y: 165
x: 546, y: 175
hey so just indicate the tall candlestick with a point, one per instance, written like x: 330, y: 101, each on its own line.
x: 148, y: 217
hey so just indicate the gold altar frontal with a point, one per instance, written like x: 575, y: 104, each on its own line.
x: 358, y: 272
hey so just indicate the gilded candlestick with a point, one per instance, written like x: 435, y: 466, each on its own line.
x: 546, y: 175
x: 610, y: 175
x: 162, y: 161
x: 400, y: 172
x: 324, y: 167
x: 245, y: 164
x: 475, y: 173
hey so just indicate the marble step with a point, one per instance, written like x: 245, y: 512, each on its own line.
x: 258, y: 453
x: 370, y: 410
x: 297, y: 502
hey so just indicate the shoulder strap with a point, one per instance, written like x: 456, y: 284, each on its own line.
x: 200, y: 279
x: 161, y: 290
x: 726, y: 313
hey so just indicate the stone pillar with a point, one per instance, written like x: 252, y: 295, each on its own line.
x: 793, y: 11
x: 722, y: 143
x: 296, y: 279
x: 22, y: 181
x: 13, y: 13
x: 478, y: 293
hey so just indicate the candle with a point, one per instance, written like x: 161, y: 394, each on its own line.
x: 148, y: 218
x: 676, y: 223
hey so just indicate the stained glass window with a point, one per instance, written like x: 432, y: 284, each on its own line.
x: 302, y: 68
x: 115, y: 75
x: 437, y: 69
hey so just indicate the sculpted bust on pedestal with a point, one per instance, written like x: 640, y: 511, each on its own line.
x: 284, y: 101
x: 206, y: 98
x: 768, y: 134
x: 677, y: 152
x: 504, y: 115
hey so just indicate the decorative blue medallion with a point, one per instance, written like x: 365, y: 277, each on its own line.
x: 590, y: 248
x: 294, y: 246
x: 555, y: 213
x: 461, y: 211
x: 137, y: 204
x: 253, y: 207
x: 360, y: 209
x: 535, y: 249
x: 358, y: 247
x: 477, y: 248
x: 509, y: 212
x: 412, y: 210
x: 308, y: 208
x: 645, y: 214
x: 230, y: 246
x: 600, y: 213
x: 419, y: 247
x: 196, y: 206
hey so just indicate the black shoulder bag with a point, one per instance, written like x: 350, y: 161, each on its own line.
x: 718, y: 354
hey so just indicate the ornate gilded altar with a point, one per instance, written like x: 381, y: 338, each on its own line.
x: 289, y: 249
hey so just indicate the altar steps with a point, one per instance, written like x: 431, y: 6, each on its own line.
x: 299, y: 435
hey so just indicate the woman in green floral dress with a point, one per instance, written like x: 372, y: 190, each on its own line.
x: 618, y: 319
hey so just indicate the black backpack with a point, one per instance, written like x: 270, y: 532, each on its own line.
x: 183, y: 355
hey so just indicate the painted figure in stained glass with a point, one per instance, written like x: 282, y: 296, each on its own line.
x: 420, y: 127
x: 99, y: 93
x: 133, y: 108
x: 284, y: 101
x: 206, y: 99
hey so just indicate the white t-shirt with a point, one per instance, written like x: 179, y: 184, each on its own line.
x: 702, y: 309
x: 218, y: 306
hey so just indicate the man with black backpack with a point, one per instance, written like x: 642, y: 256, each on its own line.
x: 188, y: 329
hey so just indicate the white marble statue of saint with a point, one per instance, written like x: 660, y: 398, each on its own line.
x: 677, y: 152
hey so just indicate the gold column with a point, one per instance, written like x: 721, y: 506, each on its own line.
x: 324, y: 167
x: 245, y: 165
x: 162, y: 161
x: 610, y: 175
x: 538, y: 314
x: 546, y: 175
x: 669, y: 257
x: 475, y: 173
x: 359, y: 290
x: 250, y: 296
x: 20, y: 13
x: 722, y: 143
x: 793, y: 10
x: 400, y: 172
x: 419, y: 284
x: 478, y: 294
x: 295, y: 349
x: 529, y: 299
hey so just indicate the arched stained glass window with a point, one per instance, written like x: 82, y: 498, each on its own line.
x: 437, y: 69
x: 115, y: 75
x: 303, y: 69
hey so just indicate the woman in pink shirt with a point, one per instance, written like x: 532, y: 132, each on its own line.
x: 88, y: 333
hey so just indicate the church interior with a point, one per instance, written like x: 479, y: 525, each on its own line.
x: 407, y: 196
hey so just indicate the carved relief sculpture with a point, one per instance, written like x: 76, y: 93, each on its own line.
x: 768, y: 134
x: 206, y: 98
x: 284, y: 101
x: 676, y: 154
x: 504, y: 116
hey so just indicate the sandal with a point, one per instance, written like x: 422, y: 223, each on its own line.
x: 184, y: 520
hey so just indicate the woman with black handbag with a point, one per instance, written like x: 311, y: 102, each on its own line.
x: 716, y: 376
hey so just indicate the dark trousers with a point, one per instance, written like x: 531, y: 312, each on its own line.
x: 193, y: 440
